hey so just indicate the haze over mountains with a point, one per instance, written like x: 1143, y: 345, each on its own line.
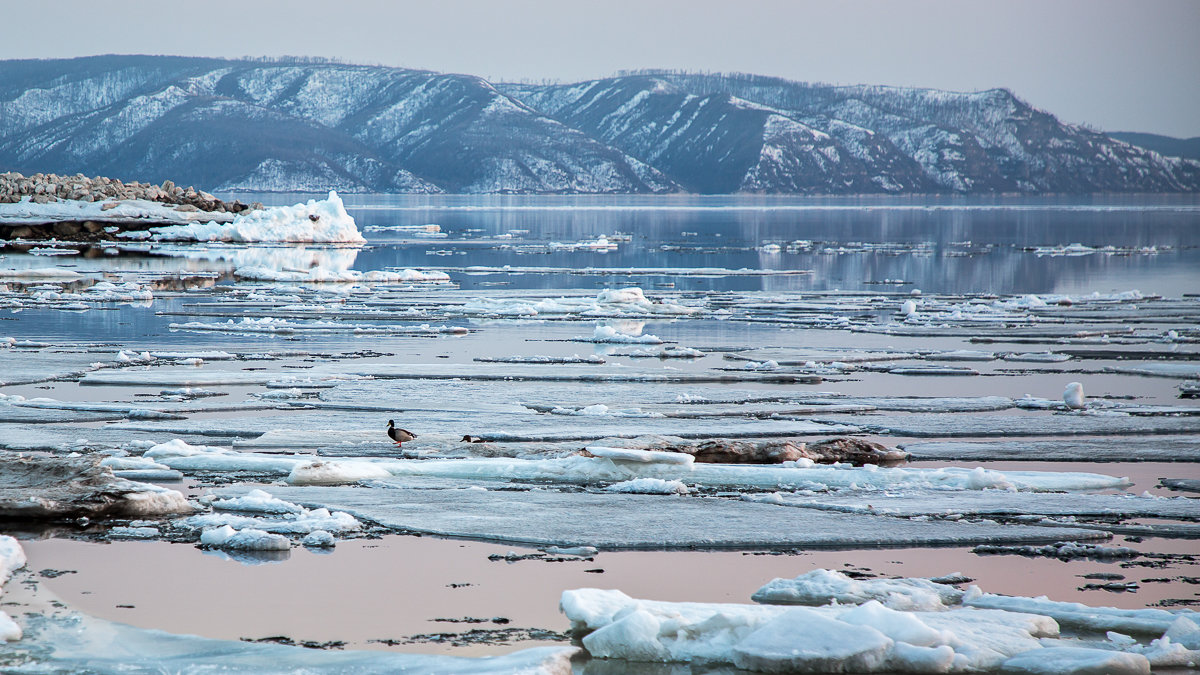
x: 299, y: 125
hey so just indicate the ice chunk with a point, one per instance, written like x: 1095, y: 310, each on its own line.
x: 328, y: 275
x: 12, y: 558
x: 333, y: 473
x: 1098, y: 619
x: 179, y: 448
x: 610, y: 334
x: 257, y: 501
x: 641, y: 456
x: 1184, y: 631
x: 120, y: 532
x: 821, y: 586
x: 900, y: 626
x: 650, y: 486
x: 1073, y: 395
x: 805, y: 641
x: 306, y: 522
x: 319, y: 539
x: 244, y: 540
x: 633, y: 637
x: 323, y: 221
x: 1077, y: 661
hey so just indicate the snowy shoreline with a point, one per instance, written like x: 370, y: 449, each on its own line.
x: 316, y: 221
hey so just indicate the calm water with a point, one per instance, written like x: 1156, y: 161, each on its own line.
x: 943, y: 245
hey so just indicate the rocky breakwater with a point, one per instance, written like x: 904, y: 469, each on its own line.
x: 78, y: 208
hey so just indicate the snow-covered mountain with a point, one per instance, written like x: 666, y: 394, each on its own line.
x: 300, y: 125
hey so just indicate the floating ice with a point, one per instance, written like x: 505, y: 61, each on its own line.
x: 613, y: 302
x: 820, y: 587
x: 179, y: 448
x: 12, y: 558
x: 601, y: 410
x: 40, y: 274
x: 327, y: 275
x: 1097, y: 619
x: 334, y: 472
x: 669, y: 352
x: 641, y: 456
x: 779, y: 639
x: 304, y: 522
x: 257, y: 501
x: 548, y: 360
x: 1073, y: 395
x: 243, y: 540
x: 610, y: 334
x: 649, y: 486
x: 319, y: 539
x: 1077, y: 661
x: 315, y: 221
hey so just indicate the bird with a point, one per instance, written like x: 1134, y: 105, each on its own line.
x: 471, y: 439
x: 399, y: 435
x: 1073, y: 395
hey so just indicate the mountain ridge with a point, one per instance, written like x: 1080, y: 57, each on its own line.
x: 307, y: 124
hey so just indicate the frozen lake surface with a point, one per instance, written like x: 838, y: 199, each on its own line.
x: 577, y: 344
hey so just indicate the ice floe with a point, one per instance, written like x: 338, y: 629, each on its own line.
x: 324, y: 221
x: 635, y: 521
x: 612, y: 302
x: 326, y: 275
x: 924, y: 633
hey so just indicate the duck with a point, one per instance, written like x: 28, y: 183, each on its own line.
x: 399, y: 435
x: 471, y: 439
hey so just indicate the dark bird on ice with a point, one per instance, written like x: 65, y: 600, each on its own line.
x: 471, y: 439
x: 399, y: 435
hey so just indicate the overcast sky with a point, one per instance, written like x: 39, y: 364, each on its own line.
x: 1119, y: 66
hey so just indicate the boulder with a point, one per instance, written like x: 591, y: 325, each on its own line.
x: 730, y: 451
x: 855, y: 451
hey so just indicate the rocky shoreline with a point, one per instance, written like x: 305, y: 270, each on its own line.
x: 182, y: 203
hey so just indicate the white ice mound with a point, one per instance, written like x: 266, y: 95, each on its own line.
x: 12, y: 558
x: 819, y: 587
x: 1073, y: 395
x: 649, y: 486
x: 257, y: 501
x: 333, y: 473
x: 641, y: 456
x: 1079, y: 660
x: 320, y: 222
x: 833, y: 638
x: 244, y: 540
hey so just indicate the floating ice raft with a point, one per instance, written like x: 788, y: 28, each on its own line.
x: 616, y: 520
x: 925, y: 630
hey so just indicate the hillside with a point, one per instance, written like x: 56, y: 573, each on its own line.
x: 300, y: 125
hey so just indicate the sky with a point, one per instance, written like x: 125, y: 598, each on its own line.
x: 1114, y: 65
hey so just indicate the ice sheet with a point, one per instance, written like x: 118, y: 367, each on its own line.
x: 633, y: 521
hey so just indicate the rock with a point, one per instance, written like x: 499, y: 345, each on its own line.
x: 107, y: 206
x: 57, y: 488
x: 729, y: 451
x: 855, y: 451
x: 724, y: 451
x: 92, y: 226
x: 66, y: 228
x: 186, y: 207
x: 22, y: 232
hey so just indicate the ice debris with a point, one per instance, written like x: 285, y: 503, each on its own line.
x: 323, y: 222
